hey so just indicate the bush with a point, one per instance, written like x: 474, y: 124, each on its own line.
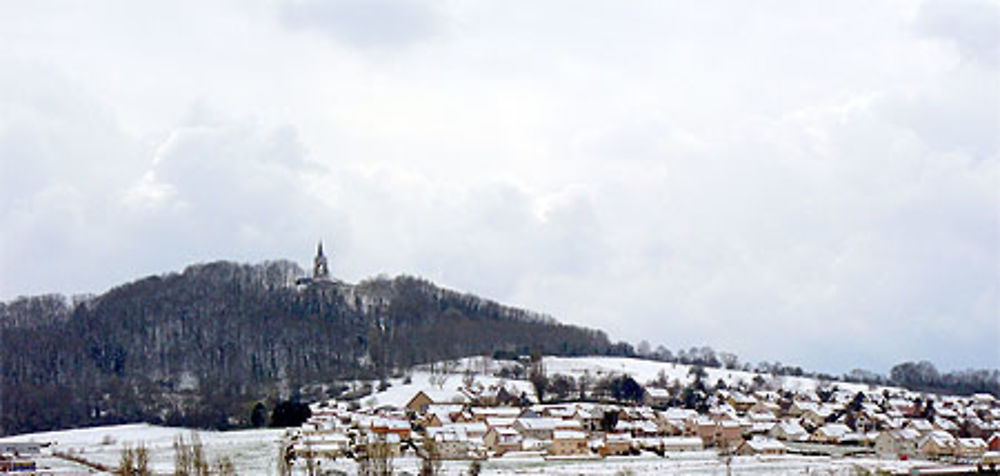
x: 289, y: 413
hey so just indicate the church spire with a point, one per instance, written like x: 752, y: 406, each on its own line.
x: 320, y: 269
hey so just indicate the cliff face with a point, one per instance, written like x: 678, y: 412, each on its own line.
x: 201, y: 346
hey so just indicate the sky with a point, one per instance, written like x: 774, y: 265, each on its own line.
x: 816, y: 183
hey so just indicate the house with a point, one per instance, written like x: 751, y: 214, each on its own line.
x: 816, y: 417
x: 568, y: 443
x: 831, y: 433
x: 419, y: 402
x: 542, y: 428
x: 474, y: 429
x: 329, y: 446
x: 799, y: 407
x: 945, y: 424
x: 789, y: 431
x: 438, y: 414
x: 921, y: 425
x: 616, y: 444
x: 741, y: 402
x: 994, y: 442
x: 765, y: 406
x: 424, y: 398
x: 391, y: 442
x: 681, y: 443
x: 381, y: 426
x: 452, y: 444
x: 589, y: 418
x: 721, y: 433
x: 657, y: 397
x: 484, y: 413
x: 500, y: 422
x: 970, y: 449
x: 936, y: 445
x: 501, y: 440
x: 761, y: 446
x: 901, y: 443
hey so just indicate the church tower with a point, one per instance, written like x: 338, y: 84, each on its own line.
x: 320, y: 269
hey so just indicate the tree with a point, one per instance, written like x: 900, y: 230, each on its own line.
x: 609, y: 420
x: 289, y: 413
x: 729, y: 360
x: 375, y: 458
x: 189, y: 457
x: 644, y: 350
x: 699, y: 374
x: 857, y: 402
x: 258, y: 416
x: 134, y: 461
x: 631, y: 390
x: 430, y: 456
x: 561, y: 386
x: 539, y: 381
x: 664, y: 354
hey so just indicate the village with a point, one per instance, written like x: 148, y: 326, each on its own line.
x: 491, y: 419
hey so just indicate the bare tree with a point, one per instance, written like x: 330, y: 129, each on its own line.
x: 134, y: 461
x: 375, y: 458
x: 430, y: 455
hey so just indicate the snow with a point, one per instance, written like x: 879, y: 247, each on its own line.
x: 252, y: 451
x: 645, y: 371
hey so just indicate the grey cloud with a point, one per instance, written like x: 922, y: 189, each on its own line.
x: 368, y: 23
x: 973, y: 26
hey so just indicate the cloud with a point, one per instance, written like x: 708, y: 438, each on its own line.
x: 378, y: 23
x: 971, y: 25
x: 760, y: 180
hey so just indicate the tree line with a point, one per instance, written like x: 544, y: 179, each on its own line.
x: 920, y: 376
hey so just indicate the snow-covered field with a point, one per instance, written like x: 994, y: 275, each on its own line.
x: 252, y: 451
x: 641, y: 370
x: 647, y: 370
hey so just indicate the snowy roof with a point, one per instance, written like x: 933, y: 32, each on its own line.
x: 764, y: 444
x: 686, y: 441
x: 548, y: 423
x: 568, y: 435
x: 971, y: 443
x: 619, y: 437
x: 510, y: 412
x: 659, y: 393
x: 791, y: 428
x: 679, y: 414
x: 834, y: 430
x: 920, y: 424
x: 500, y: 421
x: 903, y: 434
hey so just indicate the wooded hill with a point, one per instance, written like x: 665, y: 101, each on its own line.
x: 202, y: 347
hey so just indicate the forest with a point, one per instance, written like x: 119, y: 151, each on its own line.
x: 204, y: 346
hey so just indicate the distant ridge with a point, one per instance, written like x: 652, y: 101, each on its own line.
x: 200, y: 347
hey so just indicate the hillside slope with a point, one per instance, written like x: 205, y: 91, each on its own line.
x: 200, y: 347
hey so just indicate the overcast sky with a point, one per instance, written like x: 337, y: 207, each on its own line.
x: 811, y: 182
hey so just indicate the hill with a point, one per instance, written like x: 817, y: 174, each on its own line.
x: 201, y: 347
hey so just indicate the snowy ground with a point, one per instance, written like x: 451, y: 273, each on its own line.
x: 646, y: 370
x: 642, y: 370
x: 252, y: 451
